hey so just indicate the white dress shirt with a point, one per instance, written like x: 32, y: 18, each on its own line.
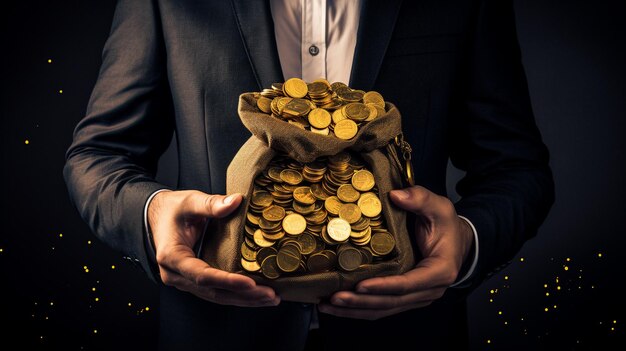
x: 316, y: 39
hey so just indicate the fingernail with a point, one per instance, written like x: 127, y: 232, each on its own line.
x: 401, y: 194
x: 339, y: 302
x: 228, y: 199
x: 362, y: 290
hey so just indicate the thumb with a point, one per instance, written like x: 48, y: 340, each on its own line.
x: 210, y: 205
x: 416, y: 199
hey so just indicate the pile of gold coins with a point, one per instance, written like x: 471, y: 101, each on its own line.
x: 321, y: 107
x: 315, y: 217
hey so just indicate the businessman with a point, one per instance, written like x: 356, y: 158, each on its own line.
x: 452, y: 67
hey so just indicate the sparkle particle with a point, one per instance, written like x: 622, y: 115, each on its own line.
x: 500, y: 312
x: 112, y: 266
x: 554, y: 307
x: 614, y: 322
x: 26, y: 142
x: 545, y: 285
x: 60, y: 91
x: 95, y: 331
x: 49, y: 60
x: 547, y: 294
x: 60, y: 235
x: 97, y: 299
x: 568, y: 259
x: 546, y: 309
x: 599, y: 254
x: 93, y: 289
x: 129, y: 304
x: 88, y: 242
x: 566, y: 268
x: 521, y: 259
x: 1, y: 250
x: 147, y: 308
x: 506, y: 277
x: 488, y: 341
x: 558, y: 287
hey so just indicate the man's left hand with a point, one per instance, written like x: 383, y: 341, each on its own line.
x: 444, y: 240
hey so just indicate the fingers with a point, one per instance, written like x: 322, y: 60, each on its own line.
x: 258, y: 296
x: 366, y: 313
x: 367, y: 301
x: 214, y: 206
x: 420, y: 200
x: 181, y: 259
x: 431, y: 272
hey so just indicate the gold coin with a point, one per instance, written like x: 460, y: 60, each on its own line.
x: 373, y: 97
x: 260, y: 240
x: 304, y: 195
x: 350, y: 212
x: 288, y: 258
x: 347, y: 193
x: 319, y: 118
x: 247, y: 253
x: 338, y: 229
x: 307, y: 243
x: 274, y: 213
x: 250, y: 266
x: 294, y: 224
x: 349, y: 259
x: 370, y: 205
x: 382, y: 243
x: 318, y: 191
x: 264, y: 253
x: 346, y: 129
x: 269, y: 267
x: 338, y: 116
x: 273, y: 236
x: 303, y: 209
x: 332, y: 205
x: 262, y: 198
x: 295, y: 88
x: 318, y: 263
x: 357, y: 111
x: 373, y: 112
x: 324, y: 131
x: 296, y: 108
x: 263, y: 104
x: 363, y: 180
x: 291, y: 176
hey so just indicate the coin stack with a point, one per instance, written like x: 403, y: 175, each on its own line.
x: 314, y: 217
x: 321, y: 107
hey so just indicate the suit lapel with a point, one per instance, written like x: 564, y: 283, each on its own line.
x: 256, y: 26
x: 376, y: 24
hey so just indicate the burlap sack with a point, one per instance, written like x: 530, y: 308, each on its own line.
x: 272, y: 136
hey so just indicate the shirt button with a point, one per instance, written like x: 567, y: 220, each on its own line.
x: 314, y: 50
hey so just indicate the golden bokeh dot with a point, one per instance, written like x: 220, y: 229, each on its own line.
x: 129, y: 304
x: 60, y: 235
x: 500, y: 312
x: 545, y: 285
x: 558, y: 287
x: 506, y: 277
x: 49, y: 60
x: 567, y: 259
x: 521, y: 259
x: 599, y: 254
x: 547, y: 294
x: 566, y: 268
x: 554, y: 307
x: 614, y: 322
x: 147, y: 308
x: 1, y: 250
x: 95, y: 331
x: 488, y: 341
x: 88, y: 242
x: 60, y: 91
x: 26, y: 141
x: 97, y: 299
x: 112, y: 266
x: 546, y: 309
x: 93, y: 289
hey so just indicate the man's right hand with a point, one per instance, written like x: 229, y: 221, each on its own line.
x: 176, y: 220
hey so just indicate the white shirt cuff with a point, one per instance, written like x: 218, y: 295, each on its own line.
x: 475, y: 260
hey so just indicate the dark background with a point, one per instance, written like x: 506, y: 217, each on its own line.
x: 61, y: 288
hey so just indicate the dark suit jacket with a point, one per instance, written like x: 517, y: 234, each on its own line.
x: 452, y: 67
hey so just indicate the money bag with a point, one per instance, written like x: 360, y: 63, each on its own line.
x: 227, y: 240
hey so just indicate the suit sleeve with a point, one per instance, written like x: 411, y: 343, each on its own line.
x: 112, y: 161
x: 508, y: 187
